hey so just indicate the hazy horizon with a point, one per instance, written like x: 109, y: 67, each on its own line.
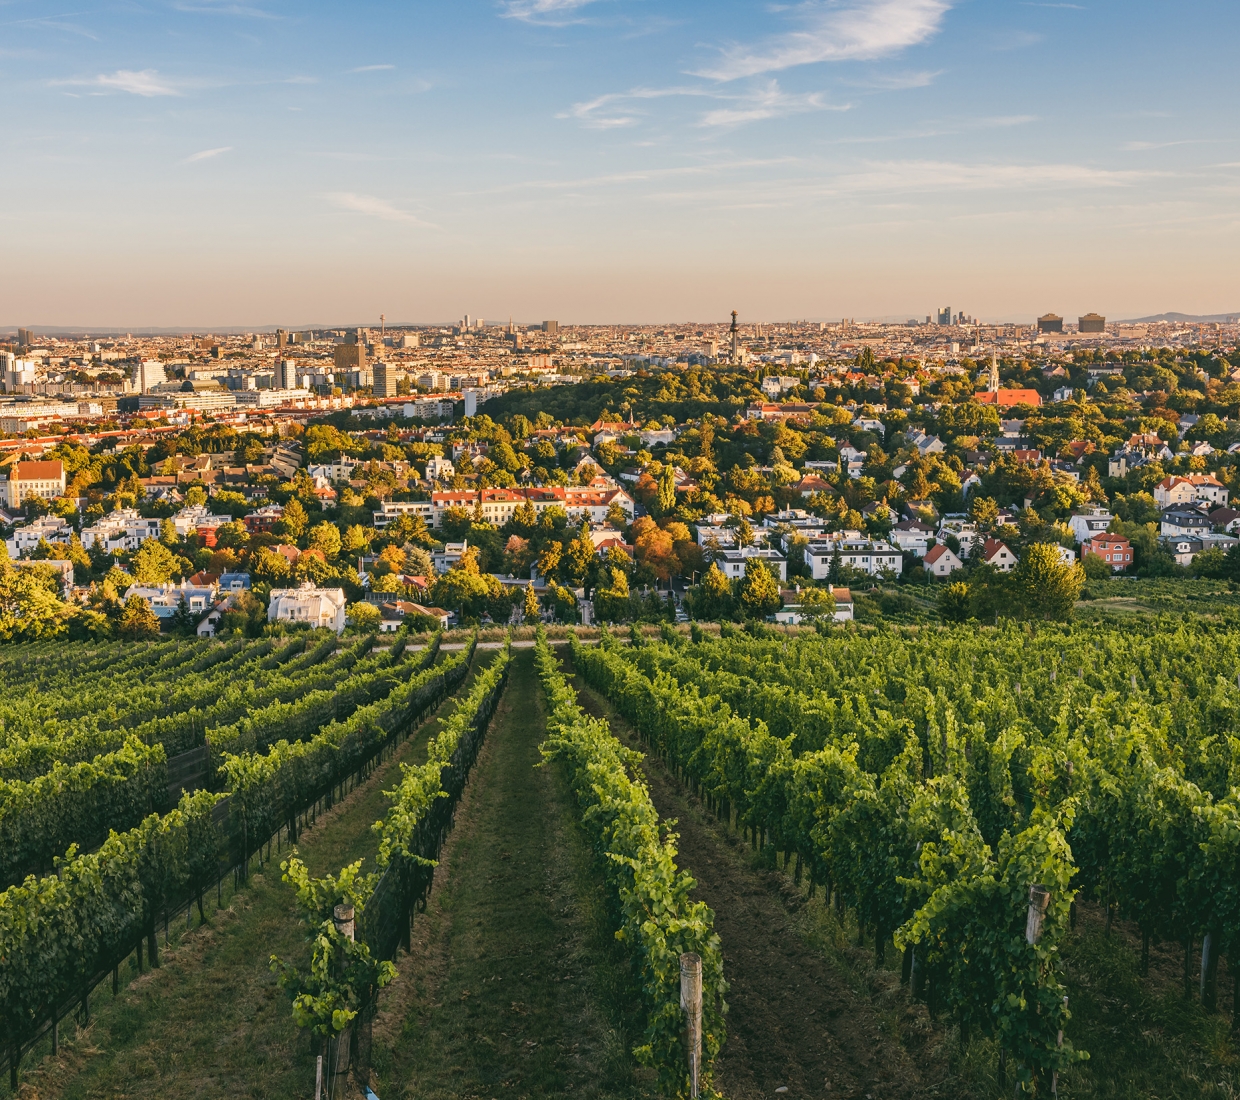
x: 194, y: 162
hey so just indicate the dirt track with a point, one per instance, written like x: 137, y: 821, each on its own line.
x: 793, y: 1018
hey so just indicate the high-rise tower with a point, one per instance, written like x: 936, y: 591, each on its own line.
x: 735, y: 333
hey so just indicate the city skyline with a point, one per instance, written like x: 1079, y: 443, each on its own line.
x: 220, y: 165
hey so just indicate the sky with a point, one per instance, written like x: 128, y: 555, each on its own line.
x: 231, y: 163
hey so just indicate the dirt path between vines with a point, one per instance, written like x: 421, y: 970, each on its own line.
x: 512, y: 988
x: 794, y: 1020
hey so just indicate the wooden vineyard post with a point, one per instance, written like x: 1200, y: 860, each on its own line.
x: 1039, y: 899
x: 1055, y: 1075
x: 338, y: 1047
x: 1209, y: 972
x: 691, y: 1002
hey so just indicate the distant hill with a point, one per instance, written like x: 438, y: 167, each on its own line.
x: 1186, y: 318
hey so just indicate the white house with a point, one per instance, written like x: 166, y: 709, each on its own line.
x: 122, y: 529
x: 732, y: 562
x: 869, y: 555
x: 912, y: 536
x: 1189, y: 487
x: 195, y: 516
x: 449, y: 556
x: 1093, y: 521
x: 997, y: 554
x: 438, y: 467
x: 49, y: 527
x: 320, y: 607
x: 166, y: 598
x: 793, y: 611
x: 941, y: 562
x: 962, y: 528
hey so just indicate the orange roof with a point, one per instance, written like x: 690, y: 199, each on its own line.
x: 38, y: 471
x: 1009, y: 397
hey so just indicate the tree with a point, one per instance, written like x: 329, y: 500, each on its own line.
x: 355, y: 539
x: 418, y: 562
x: 1095, y: 568
x: 326, y: 537
x: 611, y: 602
x: 530, y: 610
x: 232, y: 536
x: 759, y: 590
x: 30, y: 607
x: 267, y: 565
x: 363, y: 616
x: 714, y: 598
x: 667, y: 489
x: 183, y: 621
x: 246, y: 616
x: 955, y: 603
x: 835, y: 571
x: 154, y: 563
x: 196, y: 494
x: 984, y: 512
x: 1045, y: 587
x: 138, y: 621
x: 293, y: 523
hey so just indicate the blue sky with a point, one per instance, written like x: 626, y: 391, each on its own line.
x: 245, y: 162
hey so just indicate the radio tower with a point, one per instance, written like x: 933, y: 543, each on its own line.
x: 735, y: 336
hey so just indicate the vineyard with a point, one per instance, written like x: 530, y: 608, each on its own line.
x: 910, y: 862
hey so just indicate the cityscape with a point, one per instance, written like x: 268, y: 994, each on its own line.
x: 596, y: 550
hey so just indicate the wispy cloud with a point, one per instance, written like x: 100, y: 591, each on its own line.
x: 862, y: 31
x: 617, y: 109
x: 146, y: 82
x: 224, y: 7
x: 923, y: 175
x: 207, y: 154
x: 770, y: 101
x: 896, y: 82
x: 376, y: 207
x: 371, y: 68
x: 555, y: 12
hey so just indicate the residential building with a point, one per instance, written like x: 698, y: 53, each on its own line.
x: 996, y: 554
x: 123, y: 529
x: 45, y: 480
x: 1185, y: 519
x: 320, y: 607
x: 1006, y: 398
x: 449, y: 556
x: 198, y: 519
x: 871, y: 556
x: 384, y: 380
x: 26, y: 538
x: 1184, y: 548
x: 263, y: 520
x: 962, y: 528
x: 1093, y: 521
x: 166, y: 598
x: 1115, y: 550
x: 733, y: 562
x: 941, y: 562
x: 925, y: 444
x: 912, y: 536
x: 439, y: 468
x: 793, y: 611
x: 1179, y: 489
x: 1226, y: 519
